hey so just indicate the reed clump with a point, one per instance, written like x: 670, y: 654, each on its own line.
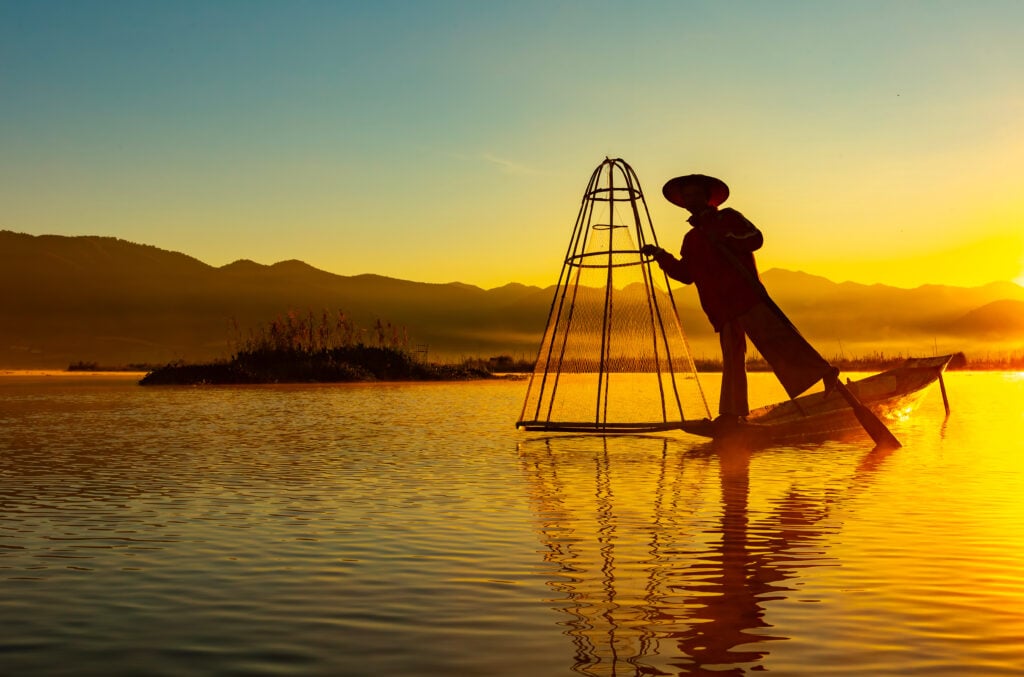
x: 313, y: 348
x: 999, y: 361
x: 881, y: 361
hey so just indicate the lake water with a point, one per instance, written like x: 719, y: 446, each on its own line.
x: 409, y: 529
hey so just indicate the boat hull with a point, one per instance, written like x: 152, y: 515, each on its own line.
x: 891, y: 394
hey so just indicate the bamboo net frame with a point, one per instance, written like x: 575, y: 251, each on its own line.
x: 614, y: 356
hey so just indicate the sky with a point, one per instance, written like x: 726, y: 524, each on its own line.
x: 443, y: 141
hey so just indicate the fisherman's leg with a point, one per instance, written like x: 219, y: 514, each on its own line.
x: 795, y: 362
x: 733, y: 400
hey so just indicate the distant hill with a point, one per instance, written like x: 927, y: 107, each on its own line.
x: 101, y: 299
x: 65, y: 299
x: 994, y: 319
x: 857, y: 311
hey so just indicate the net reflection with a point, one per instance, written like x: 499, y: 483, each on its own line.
x: 665, y: 561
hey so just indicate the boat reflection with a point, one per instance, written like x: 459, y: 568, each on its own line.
x: 665, y: 561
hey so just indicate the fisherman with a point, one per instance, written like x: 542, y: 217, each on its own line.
x: 717, y: 255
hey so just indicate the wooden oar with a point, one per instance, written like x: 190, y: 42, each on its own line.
x: 873, y: 425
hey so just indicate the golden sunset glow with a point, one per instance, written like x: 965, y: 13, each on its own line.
x: 319, y: 352
x: 450, y: 141
x: 811, y: 528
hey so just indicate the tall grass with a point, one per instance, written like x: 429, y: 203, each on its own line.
x: 310, y: 333
x: 867, y: 362
x: 1002, y: 361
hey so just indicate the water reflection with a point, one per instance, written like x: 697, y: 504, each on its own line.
x: 666, y: 561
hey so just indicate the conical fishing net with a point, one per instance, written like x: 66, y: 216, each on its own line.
x: 614, y: 357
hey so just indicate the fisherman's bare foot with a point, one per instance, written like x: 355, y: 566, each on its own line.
x: 729, y: 421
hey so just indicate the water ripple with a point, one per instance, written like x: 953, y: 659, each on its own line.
x: 408, y: 529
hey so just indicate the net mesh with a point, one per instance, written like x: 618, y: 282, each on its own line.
x: 614, y: 355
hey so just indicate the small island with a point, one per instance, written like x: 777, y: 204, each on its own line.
x: 338, y: 365
x: 324, y: 348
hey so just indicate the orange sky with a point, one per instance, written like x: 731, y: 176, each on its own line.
x: 451, y: 141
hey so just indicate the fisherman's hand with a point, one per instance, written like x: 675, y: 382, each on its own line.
x: 657, y: 253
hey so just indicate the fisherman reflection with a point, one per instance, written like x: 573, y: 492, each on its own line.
x: 645, y: 595
x: 748, y: 569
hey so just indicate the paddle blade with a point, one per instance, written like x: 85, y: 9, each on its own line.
x: 873, y: 425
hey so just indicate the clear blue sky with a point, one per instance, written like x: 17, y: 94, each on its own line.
x: 451, y: 141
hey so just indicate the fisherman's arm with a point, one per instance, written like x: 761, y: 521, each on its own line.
x: 673, y: 267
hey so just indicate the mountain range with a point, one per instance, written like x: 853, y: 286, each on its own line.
x: 100, y: 299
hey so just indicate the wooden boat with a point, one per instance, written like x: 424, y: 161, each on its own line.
x: 891, y: 394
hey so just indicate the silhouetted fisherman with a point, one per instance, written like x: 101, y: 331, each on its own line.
x: 717, y: 255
